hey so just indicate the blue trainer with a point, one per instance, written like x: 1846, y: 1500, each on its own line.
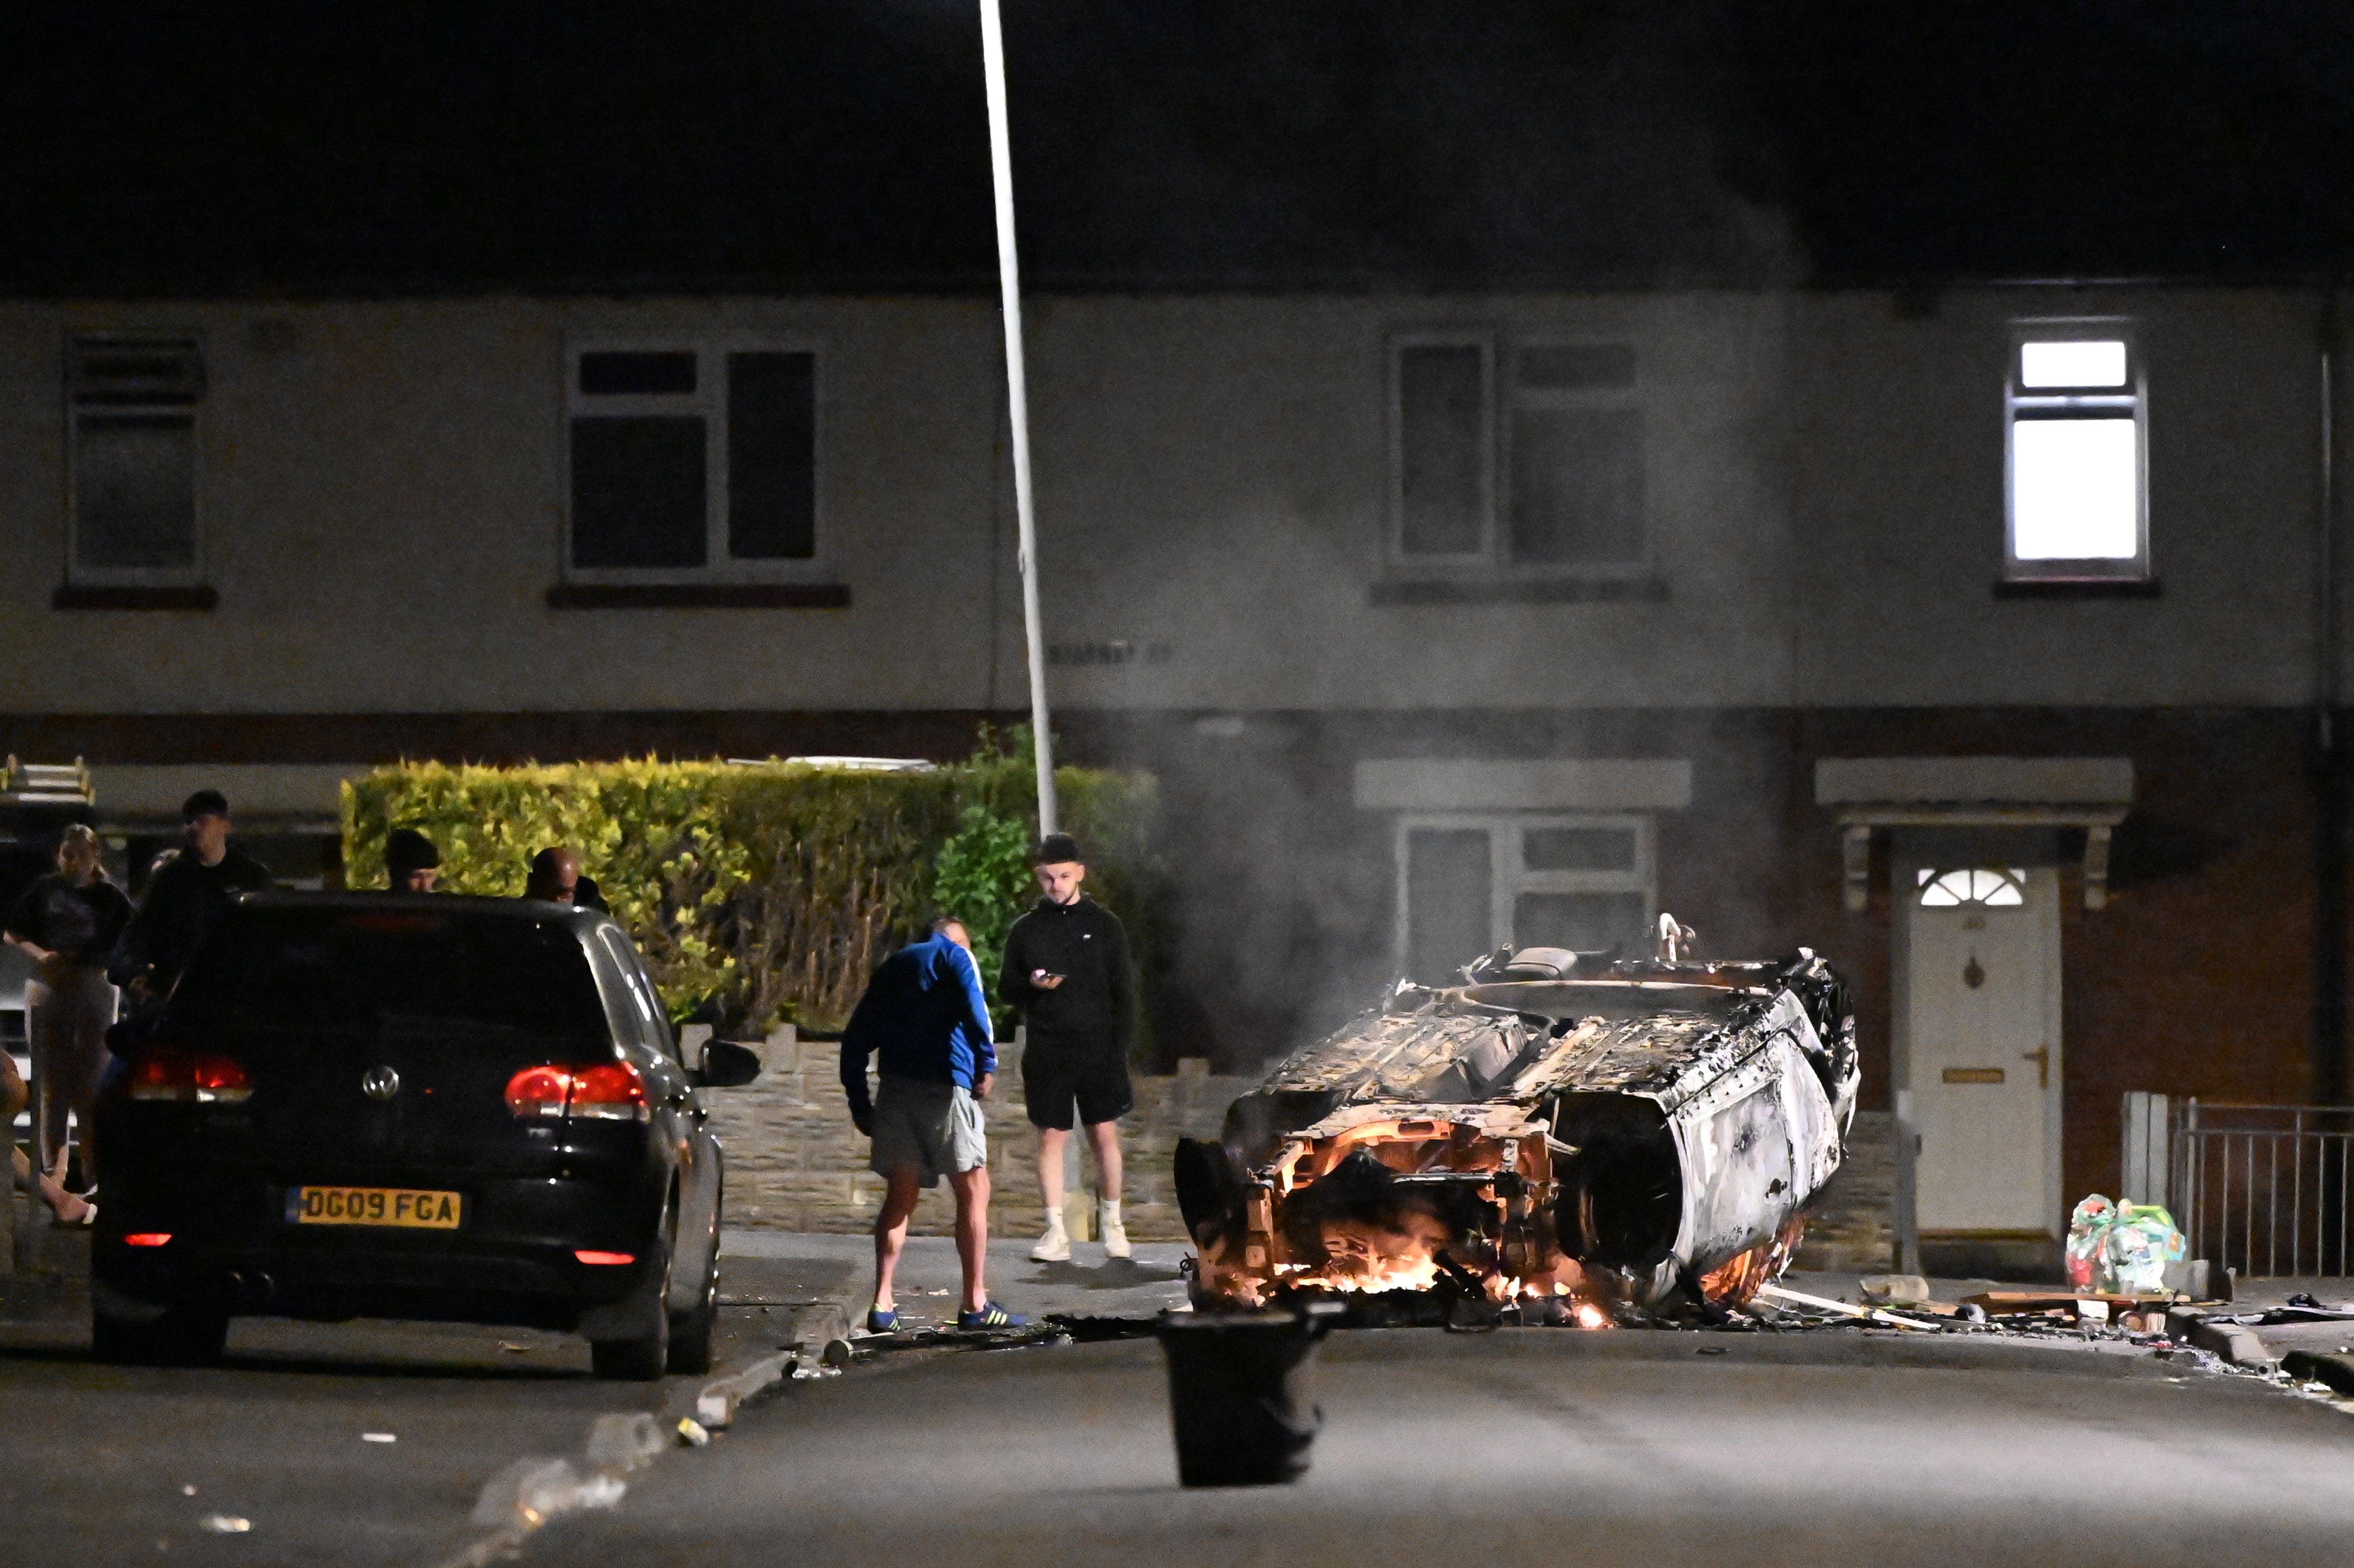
x: 992, y: 1316
x: 882, y: 1320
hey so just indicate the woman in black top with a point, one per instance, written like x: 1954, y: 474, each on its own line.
x: 68, y: 924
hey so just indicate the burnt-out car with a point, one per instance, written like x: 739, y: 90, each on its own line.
x: 371, y: 1104
x: 1560, y: 1128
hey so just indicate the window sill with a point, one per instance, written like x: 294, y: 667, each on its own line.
x: 125, y: 596
x: 1516, y: 590
x: 699, y: 596
x: 2076, y: 587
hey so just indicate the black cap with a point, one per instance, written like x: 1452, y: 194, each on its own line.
x: 1056, y: 848
x: 204, y: 803
x: 407, y: 850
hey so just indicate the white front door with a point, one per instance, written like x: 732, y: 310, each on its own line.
x: 1982, y: 1009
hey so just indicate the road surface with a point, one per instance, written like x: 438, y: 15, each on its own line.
x: 1522, y: 1446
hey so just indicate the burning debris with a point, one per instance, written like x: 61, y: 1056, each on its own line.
x: 1563, y: 1133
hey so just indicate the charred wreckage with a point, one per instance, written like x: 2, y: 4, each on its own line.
x: 1567, y: 1137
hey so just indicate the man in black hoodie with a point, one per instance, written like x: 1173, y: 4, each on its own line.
x: 187, y: 891
x: 1067, y: 969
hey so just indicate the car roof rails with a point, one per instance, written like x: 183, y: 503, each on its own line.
x: 57, y: 783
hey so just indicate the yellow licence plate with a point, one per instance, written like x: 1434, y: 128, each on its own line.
x: 374, y: 1206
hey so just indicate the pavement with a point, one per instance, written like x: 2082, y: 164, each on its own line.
x: 1089, y: 1286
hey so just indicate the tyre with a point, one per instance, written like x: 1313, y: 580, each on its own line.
x: 691, y: 1331
x: 185, y: 1336
x: 642, y: 1359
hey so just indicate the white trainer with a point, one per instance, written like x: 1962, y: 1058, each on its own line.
x: 1114, y: 1233
x: 1055, y: 1246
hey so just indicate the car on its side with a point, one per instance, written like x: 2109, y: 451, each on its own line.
x: 376, y: 1104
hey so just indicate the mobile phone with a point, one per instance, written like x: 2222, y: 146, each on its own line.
x: 1036, y: 975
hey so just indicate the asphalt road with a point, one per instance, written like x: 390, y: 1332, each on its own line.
x: 1523, y: 1446
x: 102, y: 1464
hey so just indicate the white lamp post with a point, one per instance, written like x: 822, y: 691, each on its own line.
x: 1017, y: 405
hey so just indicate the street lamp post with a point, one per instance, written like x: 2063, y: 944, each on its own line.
x: 1017, y: 405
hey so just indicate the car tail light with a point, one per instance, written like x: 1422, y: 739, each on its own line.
x: 608, y: 1259
x: 608, y: 1091
x: 147, y: 1238
x: 173, y: 1073
x: 538, y: 1091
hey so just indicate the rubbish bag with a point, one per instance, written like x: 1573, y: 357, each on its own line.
x: 2121, y: 1248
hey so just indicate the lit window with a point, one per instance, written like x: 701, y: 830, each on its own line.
x: 1981, y: 886
x: 693, y: 460
x: 1552, y: 483
x: 133, y: 408
x: 1469, y: 885
x: 2078, y: 499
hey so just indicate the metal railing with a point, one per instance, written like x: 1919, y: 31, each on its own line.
x: 2261, y: 1189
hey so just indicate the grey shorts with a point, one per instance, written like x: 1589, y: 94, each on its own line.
x: 928, y: 1128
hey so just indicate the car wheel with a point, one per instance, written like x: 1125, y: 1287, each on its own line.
x: 639, y: 1360
x: 184, y: 1336
x: 691, y: 1331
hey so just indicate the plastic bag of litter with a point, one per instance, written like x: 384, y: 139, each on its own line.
x: 2123, y: 1248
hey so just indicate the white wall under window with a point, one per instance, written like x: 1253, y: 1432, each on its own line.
x: 1468, y: 884
x: 2077, y: 493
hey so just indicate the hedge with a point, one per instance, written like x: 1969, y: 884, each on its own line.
x: 767, y: 893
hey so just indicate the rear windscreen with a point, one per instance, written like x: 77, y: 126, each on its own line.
x: 386, y: 973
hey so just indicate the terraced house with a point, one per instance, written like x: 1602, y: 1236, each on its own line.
x: 1595, y: 535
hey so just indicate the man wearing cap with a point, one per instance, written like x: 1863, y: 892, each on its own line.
x: 187, y: 891
x: 1067, y: 968
x: 411, y: 863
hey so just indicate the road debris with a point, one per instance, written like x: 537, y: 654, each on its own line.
x: 224, y: 1524
x: 379, y: 1437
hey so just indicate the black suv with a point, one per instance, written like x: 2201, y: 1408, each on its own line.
x: 370, y: 1105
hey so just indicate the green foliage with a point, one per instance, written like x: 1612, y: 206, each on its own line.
x: 982, y: 876
x: 769, y: 892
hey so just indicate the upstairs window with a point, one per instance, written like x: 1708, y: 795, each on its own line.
x: 1534, y: 471
x: 693, y: 460
x: 133, y: 405
x: 2077, y: 455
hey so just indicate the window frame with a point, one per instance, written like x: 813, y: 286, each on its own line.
x: 2065, y: 402
x: 193, y: 575
x: 1508, y: 876
x: 1499, y: 358
x: 1400, y: 558
x: 708, y: 402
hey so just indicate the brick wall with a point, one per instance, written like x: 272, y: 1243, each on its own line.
x: 795, y: 1163
x: 1853, y: 1226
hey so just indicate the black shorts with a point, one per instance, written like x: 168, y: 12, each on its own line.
x: 1053, y: 1083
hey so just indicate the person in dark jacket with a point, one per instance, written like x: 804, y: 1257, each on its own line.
x: 1067, y: 968
x: 187, y: 892
x: 411, y: 863
x: 555, y: 877
x: 926, y: 1019
x: 67, y: 924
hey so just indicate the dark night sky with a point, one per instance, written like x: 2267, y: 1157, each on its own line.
x: 1165, y: 144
